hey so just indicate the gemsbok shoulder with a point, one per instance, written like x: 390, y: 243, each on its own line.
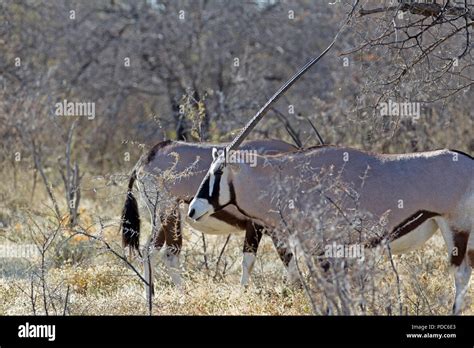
x: 167, y: 178
x: 436, y: 187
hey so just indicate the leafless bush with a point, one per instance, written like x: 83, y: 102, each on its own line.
x: 342, y: 253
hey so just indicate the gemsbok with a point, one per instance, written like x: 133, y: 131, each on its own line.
x: 167, y: 177
x: 436, y: 188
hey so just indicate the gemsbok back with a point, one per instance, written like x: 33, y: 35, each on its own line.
x: 436, y: 187
x: 168, y: 177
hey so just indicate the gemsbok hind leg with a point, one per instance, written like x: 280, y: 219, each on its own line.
x: 288, y: 260
x: 171, y: 225
x: 149, y: 261
x: 253, y: 235
x: 149, y: 258
x: 460, y: 247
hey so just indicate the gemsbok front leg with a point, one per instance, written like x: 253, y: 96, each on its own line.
x: 253, y: 235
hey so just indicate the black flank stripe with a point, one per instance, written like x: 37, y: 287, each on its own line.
x: 405, y: 227
x: 411, y: 223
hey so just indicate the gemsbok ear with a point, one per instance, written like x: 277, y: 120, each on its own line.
x: 214, y: 153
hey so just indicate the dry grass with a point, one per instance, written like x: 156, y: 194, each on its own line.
x: 100, y: 284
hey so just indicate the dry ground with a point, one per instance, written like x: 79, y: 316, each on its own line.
x: 99, y: 283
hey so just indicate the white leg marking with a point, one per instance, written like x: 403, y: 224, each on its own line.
x: 248, y: 261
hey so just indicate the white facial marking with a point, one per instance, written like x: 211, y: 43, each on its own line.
x: 224, y: 190
x: 201, y: 207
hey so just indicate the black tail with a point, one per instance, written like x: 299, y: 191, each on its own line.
x: 131, y: 219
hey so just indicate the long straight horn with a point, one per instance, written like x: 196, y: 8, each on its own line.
x: 259, y: 115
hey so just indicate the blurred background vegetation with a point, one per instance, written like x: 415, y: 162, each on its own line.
x: 197, y: 71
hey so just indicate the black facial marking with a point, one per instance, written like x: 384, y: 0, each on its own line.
x: 203, y: 191
x: 214, y: 198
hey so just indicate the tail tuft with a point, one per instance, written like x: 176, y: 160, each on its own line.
x: 131, y: 219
